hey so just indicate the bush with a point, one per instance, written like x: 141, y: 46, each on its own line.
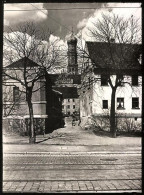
x: 100, y: 123
x: 128, y: 125
x: 123, y: 124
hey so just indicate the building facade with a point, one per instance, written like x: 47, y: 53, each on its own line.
x: 47, y: 103
x: 96, y: 92
x: 70, y: 102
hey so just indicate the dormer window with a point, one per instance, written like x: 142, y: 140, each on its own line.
x: 104, y: 80
x: 121, y: 81
x: 134, y: 80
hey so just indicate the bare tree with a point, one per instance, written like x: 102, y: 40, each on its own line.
x: 118, y: 49
x: 29, y: 43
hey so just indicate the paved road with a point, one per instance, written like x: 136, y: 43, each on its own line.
x: 72, y: 160
x: 85, y: 172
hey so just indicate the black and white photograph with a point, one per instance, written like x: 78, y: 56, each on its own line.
x: 72, y: 97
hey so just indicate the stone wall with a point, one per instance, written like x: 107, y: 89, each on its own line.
x: 21, y: 125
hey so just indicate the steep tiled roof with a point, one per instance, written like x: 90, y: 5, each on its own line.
x: 115, y: 55
x: 68, y: 92
x: 19, y: 63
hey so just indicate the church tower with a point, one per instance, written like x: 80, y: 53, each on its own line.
x: 72, y: 55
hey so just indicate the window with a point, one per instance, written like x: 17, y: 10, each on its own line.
x: 104, y: 80
x: 73, y: 106
x: 89, y: 81
x: 68, y: 106
x: 73, y: 100
x: 105, y: 104
x: 135, y: 80
x: 62, y: 106
x: 120, y: 103
x: 68, y: 100
x: 15, y: 94
x: 135, y: 102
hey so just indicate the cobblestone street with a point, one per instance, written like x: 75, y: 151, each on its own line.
x: 69, y: 167
x: 73, y: 172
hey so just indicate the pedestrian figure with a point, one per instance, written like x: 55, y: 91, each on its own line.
x: 73, y: 119
x: 63, y: 122
x: 79, y: 122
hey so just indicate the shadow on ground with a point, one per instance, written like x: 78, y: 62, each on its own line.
x: 119, y: 133
x: 102, y: 133
x: 129, y: 134
x: 37, y: 142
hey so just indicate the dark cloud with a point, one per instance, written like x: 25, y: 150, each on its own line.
x: 62, y: 21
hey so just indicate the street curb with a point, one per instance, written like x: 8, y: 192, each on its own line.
x: 85, y: 145
x: 73, y: 153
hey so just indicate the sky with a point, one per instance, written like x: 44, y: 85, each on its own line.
x: 61, y: 18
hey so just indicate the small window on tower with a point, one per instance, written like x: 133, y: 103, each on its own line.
x: 89, y: 83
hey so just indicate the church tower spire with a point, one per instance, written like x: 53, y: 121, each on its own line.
x: 72, y: 55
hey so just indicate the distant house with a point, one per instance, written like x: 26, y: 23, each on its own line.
x: 47, y: 103
x: 95, y: 94
x: 70, y: 102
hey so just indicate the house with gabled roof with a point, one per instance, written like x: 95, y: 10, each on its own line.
x: 70, y: 102
x: 47, y: 102
x: 105, y: 61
